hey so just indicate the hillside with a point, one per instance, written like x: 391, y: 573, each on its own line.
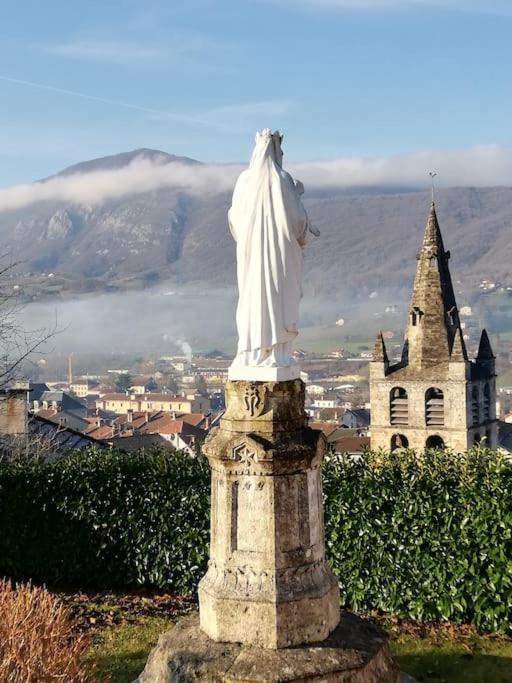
x: 367, y: 241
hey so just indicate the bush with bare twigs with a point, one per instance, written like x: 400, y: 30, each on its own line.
x: 37, y: 641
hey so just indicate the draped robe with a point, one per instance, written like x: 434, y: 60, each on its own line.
x: 269, y: 223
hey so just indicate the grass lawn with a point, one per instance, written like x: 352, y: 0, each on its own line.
x: 120, y: 652
x: 431, y: 661
x: 454, y: 656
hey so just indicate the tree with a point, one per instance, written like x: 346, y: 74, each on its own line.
x: 17, y: 343
x: 123, y: 381
x: 201, y: 386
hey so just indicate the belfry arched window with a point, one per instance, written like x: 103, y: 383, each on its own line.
x: 487, y: 402
x: 399, y: 441
x: 434, y: 407
x: 398, y: 406
x: 475, y: 407
x: 434, y: 441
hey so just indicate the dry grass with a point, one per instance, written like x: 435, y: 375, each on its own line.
x: 37, y: 640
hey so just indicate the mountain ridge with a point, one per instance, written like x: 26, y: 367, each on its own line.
x: 367, y: 240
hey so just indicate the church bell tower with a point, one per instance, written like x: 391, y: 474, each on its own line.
x: 435, y: 396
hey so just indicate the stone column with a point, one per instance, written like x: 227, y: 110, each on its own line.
x: 267, y: 584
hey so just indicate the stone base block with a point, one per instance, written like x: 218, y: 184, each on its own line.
x: 270, y: 624
x: 356, y: 652
x: 263, y: 374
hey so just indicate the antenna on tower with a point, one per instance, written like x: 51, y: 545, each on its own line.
x: 432, y: 175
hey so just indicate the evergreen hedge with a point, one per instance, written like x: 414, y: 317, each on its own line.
x: 107, y: 519
x: 428, y: 538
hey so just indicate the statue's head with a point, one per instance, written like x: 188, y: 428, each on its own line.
x: 270, y: 142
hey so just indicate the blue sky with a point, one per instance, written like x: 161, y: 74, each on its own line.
x: 341, y: 78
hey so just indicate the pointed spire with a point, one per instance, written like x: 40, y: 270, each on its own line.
x: 432, y: 237
x: 485, y: 349
x: 459, y: 352
x: 380, y: 355
x: 433, y: 317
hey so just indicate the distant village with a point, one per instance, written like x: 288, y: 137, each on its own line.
x: 176, y: 405
x: 389, y: 396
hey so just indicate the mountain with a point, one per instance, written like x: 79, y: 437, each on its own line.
x: 369, y: 240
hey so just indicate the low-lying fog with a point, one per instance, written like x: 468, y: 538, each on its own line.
x: 167, y: 319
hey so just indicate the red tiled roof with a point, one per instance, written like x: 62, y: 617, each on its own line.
x: 162, y: 398
x: 166, y: 424
x: 192, y: 418
x: 47, y: 413
x: 352, y: 444
x: 103, y: 432
x: 326, y: 427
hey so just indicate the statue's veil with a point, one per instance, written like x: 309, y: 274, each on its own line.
x: 269, y: 224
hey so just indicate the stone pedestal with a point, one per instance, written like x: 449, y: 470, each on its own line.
x: 356, y: 652
x: 267, y: 584
x: 269, y: 604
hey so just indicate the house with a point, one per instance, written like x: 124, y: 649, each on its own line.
x: 122, y: 403
x: 57, y: 437
x: 352, y: 444
x: 328, y: 428
x: 182, y: 435
x: 324, y: 402
x: 326, y: 414
x: 59, y: 400
x: 356, y: 418
x: 84, y: 388
x: 183, y: 431
x: 64, y: 418
x: 505, y: 438
x: 315, y: 389
x: 36, y: 390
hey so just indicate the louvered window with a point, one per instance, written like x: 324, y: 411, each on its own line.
x: 475, y: 409
x: 487, y: 402
x: 399, y: 406
x: 434, y: 408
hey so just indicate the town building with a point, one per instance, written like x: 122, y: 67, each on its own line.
x: 58, y: 400
x: 434, y: 396
x: 179, y: 431
x: 122, y: 403
x: 83, y: 388
x: 357, y: 418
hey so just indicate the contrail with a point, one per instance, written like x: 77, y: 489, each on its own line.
x: 136, y: 107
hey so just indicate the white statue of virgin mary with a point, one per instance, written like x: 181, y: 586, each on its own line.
x: 269, y: 223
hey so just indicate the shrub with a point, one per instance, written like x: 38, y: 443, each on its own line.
x: 107, y: 519
x: 37, y: 642
x: 428, y: 538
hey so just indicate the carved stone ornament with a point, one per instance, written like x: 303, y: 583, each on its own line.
x: 254, y: 399
x: 243, y: 453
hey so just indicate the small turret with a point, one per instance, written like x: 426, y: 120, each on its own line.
x: 459, y: 352
x: 485, y: 357
x: 380, y: 355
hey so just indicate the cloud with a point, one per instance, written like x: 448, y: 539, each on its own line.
x: 180, y: 46
x: 141, y: 175
x: 182, y: 118
x: 481, y: 165
x: 486, y: 6
x: 485, y: 165
x: 115, y: 52
x: 229, y: 118
x: 249, y: 109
